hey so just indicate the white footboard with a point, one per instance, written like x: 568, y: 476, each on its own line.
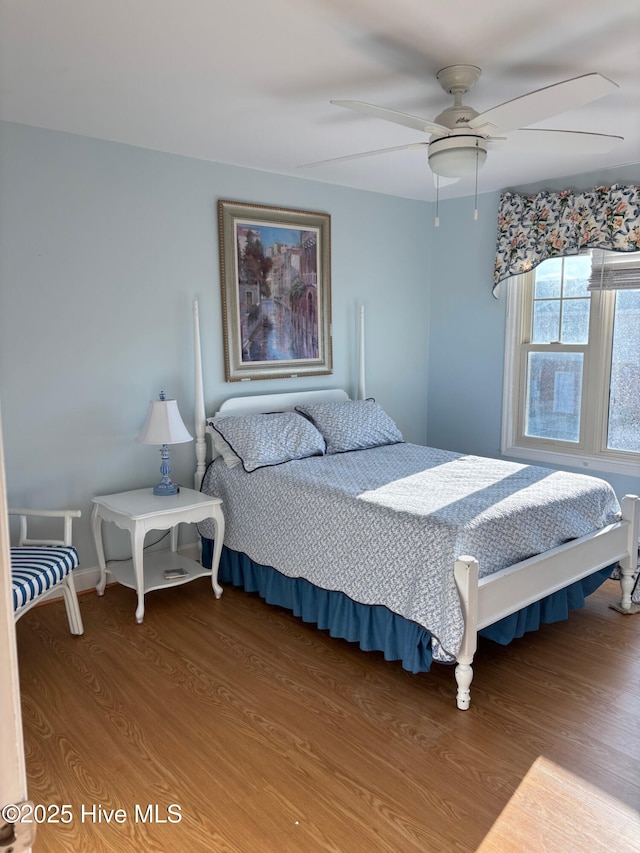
x: 489, y: 599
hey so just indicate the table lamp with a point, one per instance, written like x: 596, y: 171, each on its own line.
x: 164, y: 426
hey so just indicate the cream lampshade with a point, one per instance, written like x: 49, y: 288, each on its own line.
x: 164, y: 426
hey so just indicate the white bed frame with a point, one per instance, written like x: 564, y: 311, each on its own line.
x: 484, y: 600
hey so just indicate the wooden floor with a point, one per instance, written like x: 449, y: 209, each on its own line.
x: 259, y: 733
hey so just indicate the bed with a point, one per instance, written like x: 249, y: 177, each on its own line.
x: 409, y: 550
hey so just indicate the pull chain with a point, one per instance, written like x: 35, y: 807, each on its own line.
x: 475, y: 201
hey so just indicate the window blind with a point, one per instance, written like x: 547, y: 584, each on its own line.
x: 614, y: 271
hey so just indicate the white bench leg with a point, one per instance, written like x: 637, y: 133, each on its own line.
x: 71, y: 603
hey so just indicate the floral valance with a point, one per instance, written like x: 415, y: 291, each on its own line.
x: 532, y: 228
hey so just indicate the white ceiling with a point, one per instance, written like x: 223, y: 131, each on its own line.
x: 248, y: 82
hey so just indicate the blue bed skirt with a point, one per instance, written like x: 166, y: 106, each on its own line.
x: 375, y: 628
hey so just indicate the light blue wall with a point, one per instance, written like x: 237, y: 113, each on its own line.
x: 466, y: 333
x: 103, y: 248
x: 467, y: 325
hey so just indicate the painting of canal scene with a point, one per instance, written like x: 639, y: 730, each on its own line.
x: 276, y: 291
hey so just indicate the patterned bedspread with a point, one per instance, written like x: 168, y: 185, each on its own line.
x: 385, y: 525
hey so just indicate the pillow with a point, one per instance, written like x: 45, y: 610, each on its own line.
x: 223, y: 448
x: 352, y: 424
x: 263, y: 440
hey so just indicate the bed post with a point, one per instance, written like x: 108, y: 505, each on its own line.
x: 466, y: 575
x: 361, y: 388
x: 199, y: 416
x: 629, y: 564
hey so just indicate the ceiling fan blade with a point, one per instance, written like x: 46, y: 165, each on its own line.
x: 365, y: 154
x: 544, y: 103
x: 542, y: 141
x: 396, y: 117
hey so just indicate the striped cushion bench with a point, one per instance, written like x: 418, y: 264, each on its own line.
x: 35, y: 571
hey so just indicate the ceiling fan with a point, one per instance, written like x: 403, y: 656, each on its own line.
x: 460, y: 137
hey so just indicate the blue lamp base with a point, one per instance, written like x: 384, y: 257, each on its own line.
x: 166, y: 489
x: 165, y: 486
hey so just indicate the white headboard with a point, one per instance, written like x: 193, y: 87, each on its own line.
x: 256, y: 403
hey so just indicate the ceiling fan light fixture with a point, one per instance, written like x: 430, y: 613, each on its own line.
x: 457, y: 156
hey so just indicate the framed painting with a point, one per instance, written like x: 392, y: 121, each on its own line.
x: 275, y: 269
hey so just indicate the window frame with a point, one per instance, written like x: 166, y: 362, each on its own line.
x: 590, y: 452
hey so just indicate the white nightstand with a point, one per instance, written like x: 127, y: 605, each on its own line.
x: 139, y: 512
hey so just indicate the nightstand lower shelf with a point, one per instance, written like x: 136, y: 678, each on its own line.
x: 155, y: 565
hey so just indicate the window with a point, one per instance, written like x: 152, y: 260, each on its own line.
x: 572, y: 363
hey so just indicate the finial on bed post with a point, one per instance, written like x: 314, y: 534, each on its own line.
x: 199, y: 416
x: 361, y: 388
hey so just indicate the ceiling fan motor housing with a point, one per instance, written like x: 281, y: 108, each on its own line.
x: 462, y: 152
x: 457, y: 156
